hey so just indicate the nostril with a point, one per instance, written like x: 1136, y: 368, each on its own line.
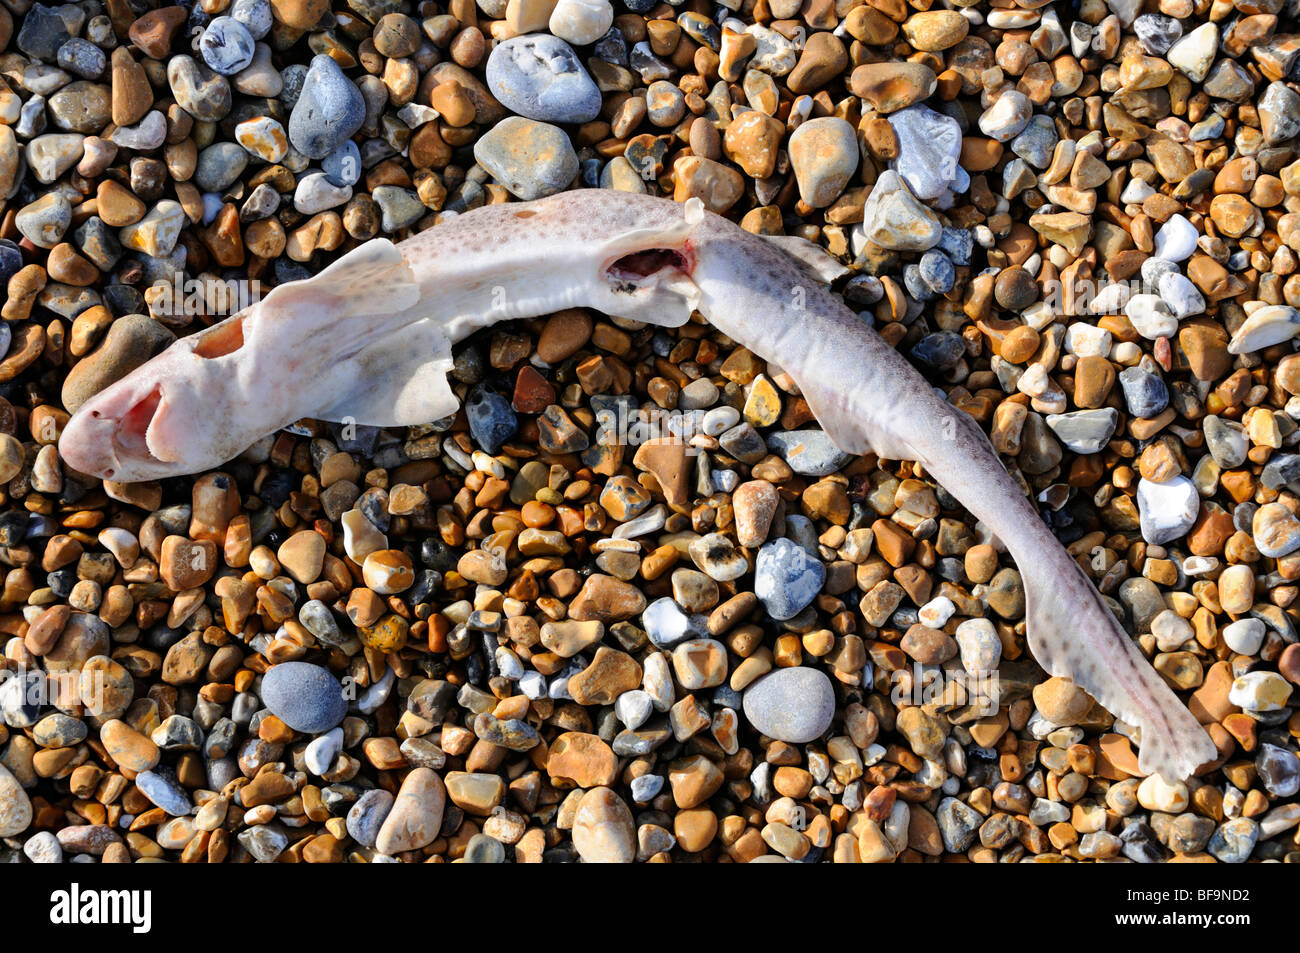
x: 95, y: 414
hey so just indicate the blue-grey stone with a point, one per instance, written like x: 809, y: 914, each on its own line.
x: 226, y: 46
x: 492, y: 421
x: 367, y: 815
x: 958, y: 823
x: 915, y: 284
x: 939, y: 351
x: 1234, y: 840
x: 42, y: 33
x: 305, y: 697
x: 219, y: 166
x: 540, y: 76
x: 957, y: 244
x: 1145, y: 393
x: 11, y: 260
x: 329, y: 109
x: 787, y: 578
x: 1279, y: 770
x: 162, y: 788
x: 937, y: 271
x: 1284, y: 468
x: 83, y: 58
x: 292, y: 77
x: 795, y: 704
x: 343, y: 165
x: 483, y: 849
x: 809, y: 452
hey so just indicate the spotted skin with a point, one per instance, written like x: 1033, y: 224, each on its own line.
x: 348, y: 355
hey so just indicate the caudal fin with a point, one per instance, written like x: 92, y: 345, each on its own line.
x: 1073, y: 634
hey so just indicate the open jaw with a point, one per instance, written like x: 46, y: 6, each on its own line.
x: 650, y: 261
x: 110, y: 441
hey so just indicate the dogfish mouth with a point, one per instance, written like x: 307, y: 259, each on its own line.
x: 642, y: 264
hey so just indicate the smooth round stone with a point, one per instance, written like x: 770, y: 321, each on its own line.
x: 416, y: 815
x: 43, y: 848
x: 531, y: 159
x: 581, y: 22
x: 367, y: 816
x: 1245, y: 636
x: 1279, y: 770
x: 343, y: 166
x: 540, y: 77
x: 937, y: 271
x: 893, y: 218
x: 809, y: 452
x: 603, y: 831
x: 219, y: 166
x: 1226, y: 440
x: 1157, y: 32
x: 145, y: 136
x: 305, y: 697
x: 787, y: 578
x: 980, y: 647
x: 1167, y: 510
x: 199, y: 90
x: 1260, y: 691
x: 1275, y: 530
x: 795, y: 705
x: 824, y: 156
x: 226, y: 46
x: 1234, y: 841
x: 1007, y: 117
x: 83, y: 58
x: 1151, y: 317
x: 329, y: 109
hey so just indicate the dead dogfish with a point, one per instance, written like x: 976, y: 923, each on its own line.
x: 369, y: 340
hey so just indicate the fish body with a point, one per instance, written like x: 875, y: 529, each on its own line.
x: 369, y: 340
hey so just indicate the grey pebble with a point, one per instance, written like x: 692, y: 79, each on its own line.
x: 329, y: 109
x: 305, y: 697
x: 226, y: 46
x: 162, y: 788
x: 539, y: 76
x: 795, y: 704
x: 367, y: 815
x: 809, y: 452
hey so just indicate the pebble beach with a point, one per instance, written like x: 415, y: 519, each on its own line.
x: 631, y: 604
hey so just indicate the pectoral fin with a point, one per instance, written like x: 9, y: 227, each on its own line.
x: 398, y: 381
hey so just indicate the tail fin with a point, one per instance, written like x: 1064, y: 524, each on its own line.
x: 1073, y: 634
